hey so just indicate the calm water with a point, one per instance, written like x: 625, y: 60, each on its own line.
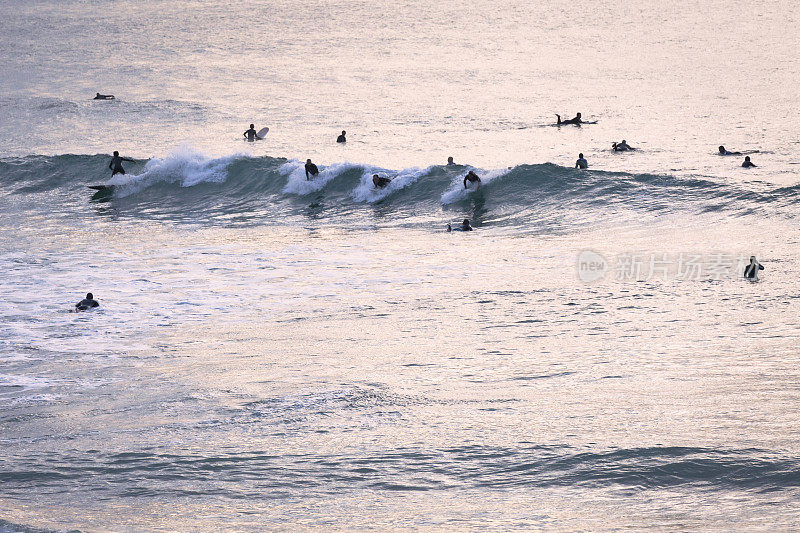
x: 277, y: 354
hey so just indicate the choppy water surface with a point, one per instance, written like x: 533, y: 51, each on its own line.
x: 274, y: 353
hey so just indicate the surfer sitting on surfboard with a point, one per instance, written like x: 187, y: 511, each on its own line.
x: 116, y: 164
x: 99, y: 96
x: 472, y: 178
x: 751, y: 270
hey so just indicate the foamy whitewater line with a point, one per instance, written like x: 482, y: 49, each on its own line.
x: 184, y: 165
x: 299, y: 185
x: 367, y: 192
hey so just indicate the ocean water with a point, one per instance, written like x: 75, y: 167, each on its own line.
x: 272, y: 353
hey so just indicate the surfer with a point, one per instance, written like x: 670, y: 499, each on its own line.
x: 581, y: 162
x: 465, y: 226
x: 576, y: 121
x: 472, y: 178
x: 723, y: 151
x: 311, y: 169
x: 116, y: 164
x: 380, y: 182
x: 251, y: 134
x: 621, y: 147
x: 747, y: 163
x: 450, y: 162
x: 99, y: 96
x: 751, y: 270
x: 86, y: 303
x: 341, y: 138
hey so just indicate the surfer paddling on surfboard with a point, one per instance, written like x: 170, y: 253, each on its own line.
x: 116, y: 164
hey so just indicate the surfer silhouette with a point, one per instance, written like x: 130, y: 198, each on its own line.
x: 747, y: 163
x: 99, y: 96
x: 341, y: 138
x: 472, y: 178
x: 86, y: 303
x: 116, y: 164
x: 723, y: 151
x: 621, y: 147
x: 380, y: 182
x: 450, y: 162
x: 311, y: 169
x: 251, y: 134
x: 751, y: 270
x: 577, y: 121
x: 581, y: 162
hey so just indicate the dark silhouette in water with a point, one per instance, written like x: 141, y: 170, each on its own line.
x: 86, y: 303
x: 751, y: 270
x: 311, y: 169
x: 576, y: 120
x: 465, y: 226
x: 341, y: 138
x: 622, y: 147
x: 99, y: 96
x: 116, y: 164
x: 450, y: 161
x: 380, y: 182
x: 581, y: 162
x: 747, y: 163
x: 472, y: 178
x: 723, y: 151
x: 251, y: 134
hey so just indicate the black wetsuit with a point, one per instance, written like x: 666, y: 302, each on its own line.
x: 85, y: 304
x: 312, y: 169
x: 471, y: 178
x: 381, y: 182
x: 748, y: 164
x: 116, y: 165
x: 751, y: 272
x: 103, y: 97
x: 341, y: 139
x: 251, y: 135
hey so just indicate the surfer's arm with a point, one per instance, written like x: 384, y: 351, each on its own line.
x: 128, y: 159
x: 465, y: 182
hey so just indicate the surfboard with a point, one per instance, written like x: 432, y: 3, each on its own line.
x: 101, y: 187
x: 262, y: 133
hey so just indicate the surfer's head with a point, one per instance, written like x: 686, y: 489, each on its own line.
x: 465, y: 224
x: 721, y: 149
x: 89, y: 296
x: 752, y: 259
x: 580, y: 156
x: 450, y: 160
x: 308, y: 161
x: 579, y: 115
x: 747, y: 158
x: 343, y: 132
x: 116, y: 152
x: 252, y: 126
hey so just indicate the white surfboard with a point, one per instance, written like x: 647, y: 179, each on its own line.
x: 262, y: 133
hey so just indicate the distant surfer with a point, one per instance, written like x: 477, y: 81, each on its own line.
x: 87, y: 303
x: 450, y: 162
x: 116, y: 164
x: 747, y: 163
x: 581, y: 162
x: 472, y: 178
x: 751, y: 270
x: 99, y: 96
x: 251, y: 134
x: 621, y: 147
x: 465, y: 226
x: 341, y: 138
x: 576, y: 121
x: 723, y: 151
x: 380, y: 182
x: 311, y: 169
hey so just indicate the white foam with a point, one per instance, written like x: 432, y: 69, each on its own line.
x: 366, y: 191
x: 184, y: 165
x: 299, y: 185
x: 456, y: 191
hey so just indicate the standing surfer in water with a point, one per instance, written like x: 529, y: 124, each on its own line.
x: 341, y: 138
x: 472, y: 178
x: 251, y: 134
x: 87, y: 303
x: 311, y: 169
x: 116, y: 164
x: 747, y: 163
x: 576, y: 121
x: 751, y: 270
x: 581, y: 162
